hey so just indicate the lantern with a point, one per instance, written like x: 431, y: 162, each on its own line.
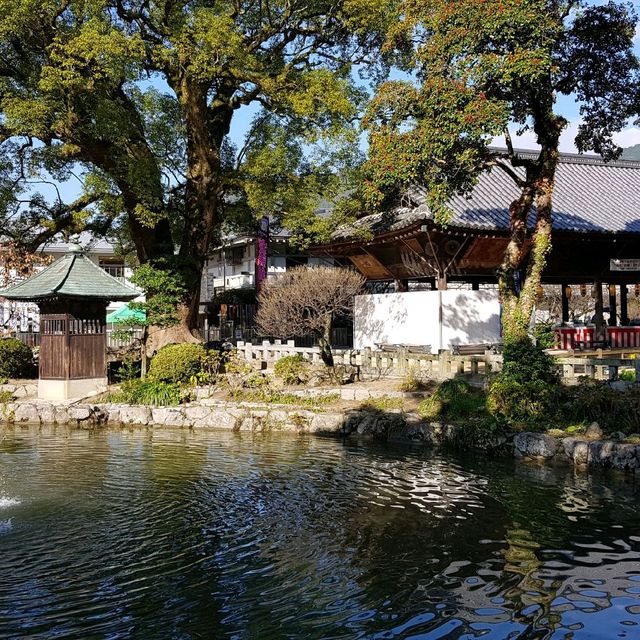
x: 539, y: 291
x: 612, y: 290
x: 568, y: 292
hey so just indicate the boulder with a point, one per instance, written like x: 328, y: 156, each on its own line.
x: 534, y: 445
x: 26, y: 412
x: 327, y: 422
x: 135, y: 415
x: 618, y: 436
x: 80, y: 412
x: 167, y: 416
x: 593, y: 432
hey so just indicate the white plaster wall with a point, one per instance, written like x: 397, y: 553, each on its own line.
x: 396, y: 318
x: 470, y: 317
x: 414, y: 318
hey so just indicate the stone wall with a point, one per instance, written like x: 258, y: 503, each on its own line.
x: 579, y: 451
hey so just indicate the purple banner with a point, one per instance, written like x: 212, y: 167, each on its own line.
x: 262, y: 252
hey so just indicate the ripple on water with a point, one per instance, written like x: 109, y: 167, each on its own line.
x: 180, y: 535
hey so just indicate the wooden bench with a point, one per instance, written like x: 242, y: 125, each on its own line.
x: 409, y: 348
x: 476, y: 349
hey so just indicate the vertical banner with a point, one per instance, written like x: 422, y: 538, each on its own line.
x: 262, y: 252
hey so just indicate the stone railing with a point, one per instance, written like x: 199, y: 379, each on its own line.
x: 601, y: 368
x: 372, y: 363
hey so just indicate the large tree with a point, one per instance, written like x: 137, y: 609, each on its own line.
x: 478, y: 68
x: 138, y: 98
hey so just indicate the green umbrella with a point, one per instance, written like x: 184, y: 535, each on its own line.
x: 126, y: 314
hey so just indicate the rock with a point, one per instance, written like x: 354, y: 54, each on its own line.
x: 135, y: 415
x: 167, y: 416
x: 197, y: 415
x: 27, y: 412
x: 327, y: 422
x: 617, y: 436
x: 47, y: 413
x: 593, y: 432
x: 348, y: 394
x: 361, y: 394
x: 625, y: 457
x: 80, y: 412
x: 534, y: 445
x: 61, y: 414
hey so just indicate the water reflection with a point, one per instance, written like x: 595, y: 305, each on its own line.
x: 171, y: 534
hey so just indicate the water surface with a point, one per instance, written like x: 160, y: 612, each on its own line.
x: 168, y: 534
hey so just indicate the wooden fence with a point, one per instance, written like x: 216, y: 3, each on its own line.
x: 370, y: 363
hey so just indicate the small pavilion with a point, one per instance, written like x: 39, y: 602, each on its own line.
x: 72, y: 294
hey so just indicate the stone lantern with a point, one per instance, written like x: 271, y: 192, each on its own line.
x: 72, y: 294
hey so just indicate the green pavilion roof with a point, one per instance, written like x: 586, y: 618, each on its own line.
x: 72, y: 276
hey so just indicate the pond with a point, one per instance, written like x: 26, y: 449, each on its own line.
x: 170, y: 534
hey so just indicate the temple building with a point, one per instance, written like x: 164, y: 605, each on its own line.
x: 596, y: 240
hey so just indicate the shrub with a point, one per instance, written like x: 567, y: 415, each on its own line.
x: 149, y: 392
x: 293, y: 369
x: 16, y: 359
x: 454, y: 399
x: 527, y: 390
x: 593, y: 400
x: 176, y: 362
x: 412, y: 381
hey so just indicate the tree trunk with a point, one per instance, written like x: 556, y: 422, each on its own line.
x: 207, y: 125
x: 324, y: 343
x: 519, y: 298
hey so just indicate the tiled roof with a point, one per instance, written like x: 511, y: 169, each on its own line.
x: 72, y: 276
x: 590, y: 196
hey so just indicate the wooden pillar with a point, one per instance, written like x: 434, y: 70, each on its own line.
x: 402, y: 285
x: 565, y: 303
x: 475, y: 286
x: 624, y: 310
x: 613, y: 306
x: 599, y: 319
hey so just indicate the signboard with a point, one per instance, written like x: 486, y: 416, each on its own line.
x: 262, y: 249
x: 624, y: 264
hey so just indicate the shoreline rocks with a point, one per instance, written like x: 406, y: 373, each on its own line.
x: 389, y: 426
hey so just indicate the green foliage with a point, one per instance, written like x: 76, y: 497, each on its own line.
x: 165, y: 282
x: 527, y: 390
x: 453, y: 399
x: 176, y: 362
x: 269, y: 395
x: 293, y: 369
x: 211, y: 367
x: 484, y: 65
x: 150, y: 392
x: 16, y: 359
x: 593, y: 400
x: 544, y: 334
x: 6, y: 396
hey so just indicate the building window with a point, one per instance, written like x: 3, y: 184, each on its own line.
x: 114, y: 268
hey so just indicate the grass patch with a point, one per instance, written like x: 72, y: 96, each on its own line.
x: 271, y: 396
x: 150, y: 392
x: 384, y: 403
